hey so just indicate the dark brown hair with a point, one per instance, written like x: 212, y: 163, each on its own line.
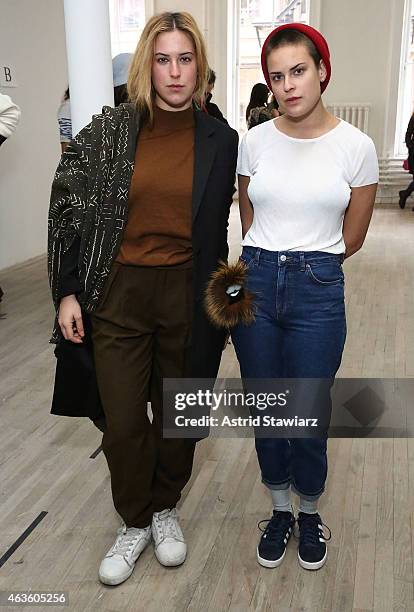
x: 211, y: 78
x: 258, y: 97
x: 293, y: 37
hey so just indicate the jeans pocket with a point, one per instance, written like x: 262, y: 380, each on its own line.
x: 248, y: 260
x: 327, y: 273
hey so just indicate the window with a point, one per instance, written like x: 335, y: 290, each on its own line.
x: 127, y: 22
x: 257, y: 19
x: 406, y: 89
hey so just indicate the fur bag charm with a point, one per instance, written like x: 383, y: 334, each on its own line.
x: 227, y: 302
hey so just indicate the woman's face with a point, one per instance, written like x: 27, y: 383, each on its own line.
x: 296, y: 81
x: 174, y: 70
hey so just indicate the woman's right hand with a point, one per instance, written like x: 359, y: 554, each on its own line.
x: 70, y: 319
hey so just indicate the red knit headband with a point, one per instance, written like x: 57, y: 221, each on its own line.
x: 317, y: 39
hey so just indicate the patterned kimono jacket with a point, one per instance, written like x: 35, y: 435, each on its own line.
x: 89, y: 204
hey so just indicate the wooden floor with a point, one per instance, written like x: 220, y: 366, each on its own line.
x: 46, y: 466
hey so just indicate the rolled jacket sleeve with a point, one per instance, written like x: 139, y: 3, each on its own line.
x: 67, y: 204
x: 9, y: 116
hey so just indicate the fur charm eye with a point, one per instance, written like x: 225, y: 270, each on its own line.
x: 227, y: 301
x: 234, y: 290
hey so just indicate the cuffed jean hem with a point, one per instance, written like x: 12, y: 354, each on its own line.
x: 312, y: 497
x: 289, y: 484
x: 281, y: 486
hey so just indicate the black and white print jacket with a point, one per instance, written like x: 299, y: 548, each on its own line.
x: 89, y: 201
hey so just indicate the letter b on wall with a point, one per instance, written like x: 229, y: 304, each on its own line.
x: 7, y: 76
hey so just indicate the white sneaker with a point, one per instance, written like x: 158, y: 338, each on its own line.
x: 118, y: 563
x: 170, y: 546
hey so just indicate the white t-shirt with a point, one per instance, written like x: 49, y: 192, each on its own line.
x: 300, y: 187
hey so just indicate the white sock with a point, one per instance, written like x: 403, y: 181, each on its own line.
x: 309, y: 507
x: 281, y: 500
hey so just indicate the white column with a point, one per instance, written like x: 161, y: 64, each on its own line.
x: 88, y: 45
x: 233, y: 62
x: 216, y: 34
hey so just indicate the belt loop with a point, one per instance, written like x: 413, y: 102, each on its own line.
x: 302, y: 261
x: 257, y: 256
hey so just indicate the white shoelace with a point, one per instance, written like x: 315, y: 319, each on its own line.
x: 167, y: 526
x: 127, y: 540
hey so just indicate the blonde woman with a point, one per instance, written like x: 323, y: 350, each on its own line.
x: 137, y: 223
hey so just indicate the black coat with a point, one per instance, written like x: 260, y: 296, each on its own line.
x: 215, y: 157
x: 409, y: 141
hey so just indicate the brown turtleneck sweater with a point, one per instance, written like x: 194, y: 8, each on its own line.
x: 158, y: 231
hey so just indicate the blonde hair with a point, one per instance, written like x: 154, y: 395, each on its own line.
x: 140, y: 89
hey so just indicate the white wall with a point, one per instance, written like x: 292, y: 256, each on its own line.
x: 365, y: 44
x: 32, y: 39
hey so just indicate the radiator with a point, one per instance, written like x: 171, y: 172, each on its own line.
x: 357, y: 114
x: 392, y: 178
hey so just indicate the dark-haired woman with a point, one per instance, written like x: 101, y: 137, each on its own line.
x: 258, y: 98
x: 307, y: 184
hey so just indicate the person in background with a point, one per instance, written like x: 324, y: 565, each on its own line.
x: 65, y: 121
x: 9, y: 118
x: 260, y: 114
x: 120, y: 68
x: 273, y: 106
x: 409, y: 141
x: 212, y: 108
x: 258, y: 99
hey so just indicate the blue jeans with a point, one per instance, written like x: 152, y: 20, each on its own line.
x: 299, y: 332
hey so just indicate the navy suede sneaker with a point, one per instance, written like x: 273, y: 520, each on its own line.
x: 272, y: 545
x: 312, y: 551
